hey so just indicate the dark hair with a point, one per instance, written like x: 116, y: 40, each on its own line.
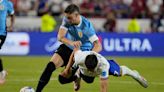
x: 91, y: 61
x: 72, y: 8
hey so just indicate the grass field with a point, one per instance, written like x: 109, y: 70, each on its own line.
x: 25, y: 71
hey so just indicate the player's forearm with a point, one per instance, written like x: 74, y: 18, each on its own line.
x: 64, y: 40
x: 12, y: 20
x: 104, y: 85
x: 97, y: 46
x: 70, y: 62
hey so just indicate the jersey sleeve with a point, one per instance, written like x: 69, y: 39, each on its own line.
x: 92, y: 34
x: 104, y: 74
x: 64, y: 24
x: 10, y: 8
x: 104, y: 66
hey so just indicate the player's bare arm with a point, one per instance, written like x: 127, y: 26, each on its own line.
x: 97, y: 46
x: 103, y: 84
x: 69, y: 65
x: 61, y: 37
x: 12, y: 19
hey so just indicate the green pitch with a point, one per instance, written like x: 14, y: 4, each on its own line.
x: 25, y: 71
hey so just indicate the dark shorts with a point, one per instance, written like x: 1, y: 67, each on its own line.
x: 65, y: 53
x: 2, y: 40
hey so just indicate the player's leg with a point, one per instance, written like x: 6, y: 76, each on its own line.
x: 60, y: 58
x: 3, y: 73
x: 119, y: 71
x: 51, y: 66
x: 135, y: 75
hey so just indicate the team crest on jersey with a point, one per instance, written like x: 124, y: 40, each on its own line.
x: 80, y: 34
x: 2, y: 7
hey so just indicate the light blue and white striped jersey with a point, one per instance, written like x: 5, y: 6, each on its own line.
x: 83, y: 32
x: 6, y: 8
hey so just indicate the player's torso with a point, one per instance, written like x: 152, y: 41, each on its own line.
x: 80, y: 33
x: 98, y: 71
x: 3, y: 15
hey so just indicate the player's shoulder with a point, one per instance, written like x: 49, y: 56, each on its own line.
x: 80, y: 56
x: 8, y: 2
x: 65, y: 22
x: 85, y: 21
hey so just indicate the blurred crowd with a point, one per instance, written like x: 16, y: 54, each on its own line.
x: 109, y: 9
x: 92, y: 8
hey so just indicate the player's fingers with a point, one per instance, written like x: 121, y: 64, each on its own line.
x: 79, y: 42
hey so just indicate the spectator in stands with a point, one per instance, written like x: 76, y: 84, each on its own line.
x: 121, y: 9
x: 42, y: 7
x: 55, y: 7
x: 77, y: 2
x: 15, y: 3
x: 138, y: 8
x: 98, y: 8
x: 87, y: 8
x: 110, y: 24
x: 24, y: 6
x: 156, y: 23
x: 162, y: 9
x: 64, y: 4
x: 48, y: 22
x: 134, y: 26
x: 128, y: 2
x: 154, y: 6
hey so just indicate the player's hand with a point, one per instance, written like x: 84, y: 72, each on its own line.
x: 76, y: 44
x: 65, y: 73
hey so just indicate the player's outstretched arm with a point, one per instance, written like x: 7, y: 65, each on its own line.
x: 103, y: 84
x: 61, y: 36
x: 65, y: 73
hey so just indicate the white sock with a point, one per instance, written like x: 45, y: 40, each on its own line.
x: 127, y: 71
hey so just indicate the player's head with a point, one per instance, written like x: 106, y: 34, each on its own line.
x: 91, y: 62
x: 72, y: 13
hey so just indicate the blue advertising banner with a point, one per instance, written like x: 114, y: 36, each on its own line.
x: 43, y: 43
x: 132, y: 44
x: 122, y: 44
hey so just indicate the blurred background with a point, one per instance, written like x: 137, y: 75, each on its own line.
x: 131, y: 32
x: 106, y: 15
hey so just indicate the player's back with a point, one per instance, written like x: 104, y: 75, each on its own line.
x: 102, y: 66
